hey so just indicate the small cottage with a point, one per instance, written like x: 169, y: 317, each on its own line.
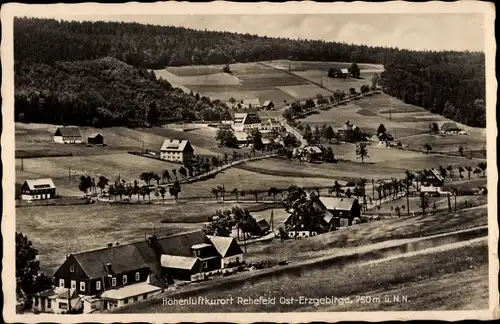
x: 450, y: 128
x: 268, y: 105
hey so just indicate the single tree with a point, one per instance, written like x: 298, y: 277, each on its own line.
x: 461, y: 150
x: 273, y: 191
x: 102, y: 183
x: 235, y: 192
x: 469, y: 170
x: 482, y: 166
x: 381, y: 129
x: 174, y: 171
x: 408, y: 181
x: 427, y: 148
x: 328, y: 133
x: 163, y: 191
x: 175, y: 190
x: 166, y: 175
x: 85, y: 184
x: 362, y: 152
x: 424, y: 202
x: 337, y: 188
x: 215, y: 192
x: 28, y: 276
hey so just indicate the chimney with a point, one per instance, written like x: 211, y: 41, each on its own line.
x: 151, y: 240
x: 108, y: 268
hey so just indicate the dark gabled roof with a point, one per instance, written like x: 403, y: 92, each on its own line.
x: 449, y: 126
x: 263, y: 224
x: 70, y: 131
x: 176, y: 145
x: 95, y: 135
x: 139, y: 255
x: 123, y: 258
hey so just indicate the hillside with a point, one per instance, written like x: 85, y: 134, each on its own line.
x: 103, y: 92
x: 448, y: 83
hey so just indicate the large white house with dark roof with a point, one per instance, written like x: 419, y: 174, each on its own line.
x: 38, y: 189
x: 176, y: 150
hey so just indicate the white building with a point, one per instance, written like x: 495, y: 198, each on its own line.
x: 246, y: 121
x: 229, y: 250
x: 176, y: 151
x: 38, y: 189
x: 68, y: 135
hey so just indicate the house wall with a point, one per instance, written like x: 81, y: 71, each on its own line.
x: 238, y: 258
x: 58, y: 139
x: 64, y: 276
x: 27, y: 194
x: 176, y: 156
x: 299, y: 234
x: 68, y: 139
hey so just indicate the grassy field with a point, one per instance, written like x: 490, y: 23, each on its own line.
x: 57, y: 230
x: 440, y: 202
x: 365, y: 279
x: 383, y: 164
x: 270, y: 80
x: 246, y: 180
x: 368, y: 233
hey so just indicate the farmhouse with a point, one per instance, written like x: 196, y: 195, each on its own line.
x: 309, y: 153
x: 269, y: 125
x: 341, y: 208
x: 252, y: 103
x: 56, y: 300
x: 450, y: 128
x: 241, y: 138
x: 338, y: 73
x: 268, y: 105
x: 246, y: 121
x: 121, y: 274
x: 38, y: 189
x: 96, y: 139
x: 68, y: 135
x: 433, y: 182
x: 176, y: 150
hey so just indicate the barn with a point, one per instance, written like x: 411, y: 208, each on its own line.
x: 96, y: 139
x: 68, y: 135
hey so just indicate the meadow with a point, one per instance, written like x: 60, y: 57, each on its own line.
x: 280, y: 81
x: 58, y: 230
x: 374, y: 279
x: 369, y: 233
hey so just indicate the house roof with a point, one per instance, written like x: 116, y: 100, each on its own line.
x: 129, y: 291
x: 94, y: 135
x: 241, y: 136
x: 221, y: 243
x: 177, y: 262
x: 449, y: 126
x: 46, y: 183
x: 437, y: 175
x: 337, y: 203
x: 255, y: 102
x: 344, y: 71
x: 263, y: 224
x: 175, y: 145
x: 70, y: 131
x: 138, y: 255
x: 267, y: 103
x: 315, y: 148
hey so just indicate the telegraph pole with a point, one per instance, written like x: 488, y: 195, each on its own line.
x: 69, y: 174
x: 272, y: 220
x: 22, y: 164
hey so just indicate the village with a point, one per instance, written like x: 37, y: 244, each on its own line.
x: 166, y: 166
x: 121, y: 274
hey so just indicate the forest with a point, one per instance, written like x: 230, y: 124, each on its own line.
x: 104, y: 92
x: 448, y: 83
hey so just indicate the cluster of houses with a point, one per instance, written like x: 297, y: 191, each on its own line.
x: 335, y: 212
x: 252, y: 103
x: 118, y: 275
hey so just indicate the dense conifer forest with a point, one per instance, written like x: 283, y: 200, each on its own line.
x: 73, y: 72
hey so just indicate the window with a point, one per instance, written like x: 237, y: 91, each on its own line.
x: 113, y: 282
x: 98, y: 285
x: 125, y: 301
x: 61, y: 282
x: 137, y: 276
x: 205, y: 265
x: 63, y: 305
x: 144, y: 296
x: 73, y: 284
x: 82, y: 286
x: 124, y: 279
x: 49, y: 303
x: 72, y: 269
x: 136, y: 299
x: 36, y: 301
